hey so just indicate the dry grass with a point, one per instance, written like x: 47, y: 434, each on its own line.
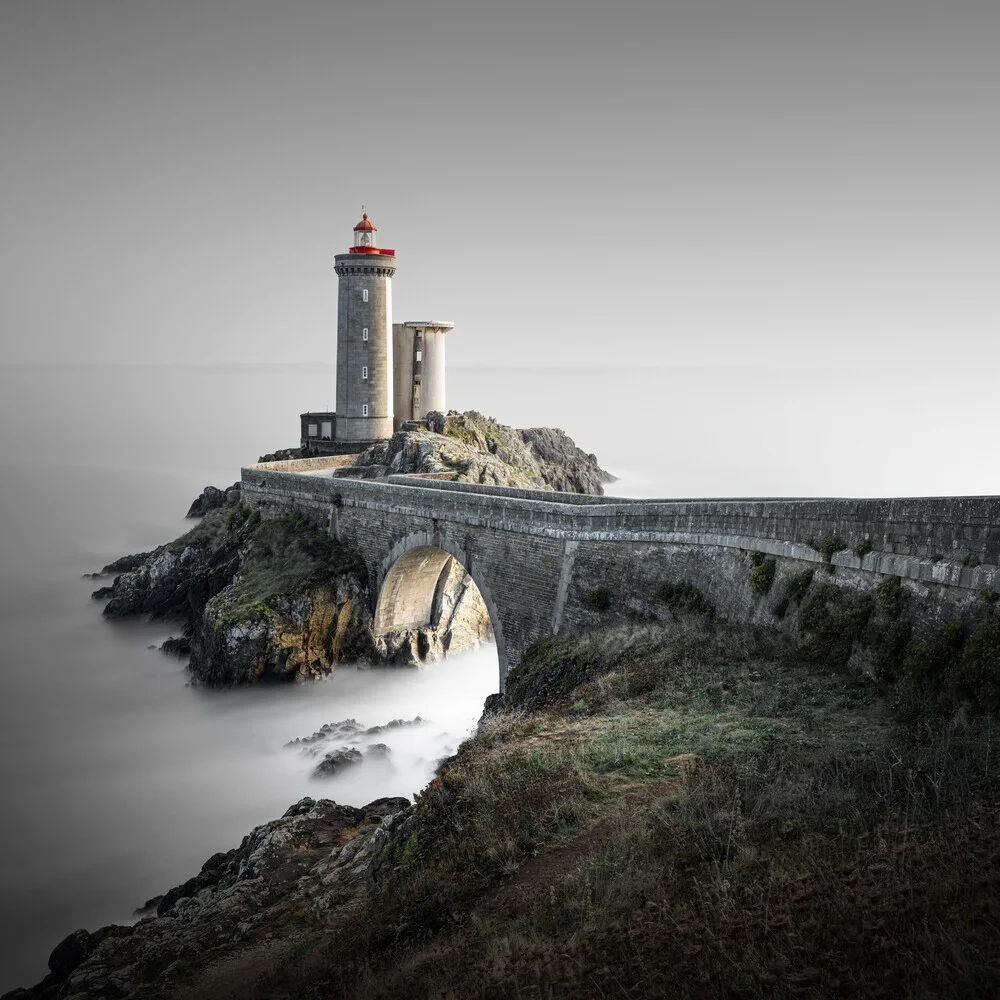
x: 689, y: 811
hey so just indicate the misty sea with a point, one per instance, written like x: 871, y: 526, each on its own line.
x: 118, y: 779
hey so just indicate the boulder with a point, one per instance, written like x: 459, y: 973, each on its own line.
x: 335, y: 762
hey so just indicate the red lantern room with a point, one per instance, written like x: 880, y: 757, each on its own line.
x: 364, y: 238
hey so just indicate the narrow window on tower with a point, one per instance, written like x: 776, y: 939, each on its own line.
x: 364, y: 409
x: 364, y: 294
x: 364, y: 333
x: 419, y: 355
x: 364, y: 371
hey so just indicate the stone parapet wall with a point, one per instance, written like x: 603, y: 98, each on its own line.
x: 536, y: 556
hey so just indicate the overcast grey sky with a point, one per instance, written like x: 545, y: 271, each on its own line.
x: 775, y: 181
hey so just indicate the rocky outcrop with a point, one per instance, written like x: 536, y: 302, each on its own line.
x: 291, y: 636
x: 211, y: 498
x: 242, y: 900
x: 177, y: 580
x: 277, y: 600
x: 470, y: 447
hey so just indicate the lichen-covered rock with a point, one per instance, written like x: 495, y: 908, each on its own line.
x: 298, y: 607
x: 177, y: 579
x: 289, y: 637
x: 276, y: 600
x: 469, y: 447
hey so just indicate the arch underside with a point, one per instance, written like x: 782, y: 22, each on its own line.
x: 428, y: 606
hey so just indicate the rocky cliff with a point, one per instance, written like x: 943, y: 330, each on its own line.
x: 277, y: 599
x: 472, y: 448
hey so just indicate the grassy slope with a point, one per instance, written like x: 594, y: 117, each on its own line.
x: 688, y: 810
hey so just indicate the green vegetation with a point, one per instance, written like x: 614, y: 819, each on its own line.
x: 863, y: 548
x: 827, y: 547
x: 285, y: 556
x: 798, y: 585
x: 725, y: 818
x: 684, y: 597
x: 599, y: 599
x: 831, y: 620
x: 762, y: 574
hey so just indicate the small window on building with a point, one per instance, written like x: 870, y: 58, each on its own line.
x: 364, y: 371
x: 364, y: 294
x: 419, y: 355
x: 364, y: 409
x: 327, y: 430
x: 420, y: 334
x: 364, y: 333
x: 313, y: 430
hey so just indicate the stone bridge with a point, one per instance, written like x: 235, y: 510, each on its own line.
x: 547, y: 561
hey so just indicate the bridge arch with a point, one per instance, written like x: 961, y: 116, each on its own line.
x: 408, y: 580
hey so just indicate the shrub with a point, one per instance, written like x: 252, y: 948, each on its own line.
x: 830, y: 621
x: 685, y: 597
x: 762, y: 576
x: 891, y: 596
x: 599, y: 599
x: 798, y: 585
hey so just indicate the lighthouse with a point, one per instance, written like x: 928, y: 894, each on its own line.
x: 367, y: 408
x: 364, y: 338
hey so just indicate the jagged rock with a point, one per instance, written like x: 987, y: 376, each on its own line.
x: 282, y: 455
x: 177, y: 579
x: 470, y: 447
x: 291, y: 636
x: 176, y: 645
x: 335, y: 762
x: 212, y: 498
x: 378, y: 751
x: 279, y: 871
x: 329, y: 731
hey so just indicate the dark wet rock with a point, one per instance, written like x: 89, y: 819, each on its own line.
x: 316, y: 852
x: 211, y: 498
x: 336, y: 761
x: 329, y: 731
x: 395, y: 724
x: 176, y: 645
x: 148, y: 908
x: 69, y: 953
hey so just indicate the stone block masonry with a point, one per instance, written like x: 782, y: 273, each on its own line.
x: 538, y: 557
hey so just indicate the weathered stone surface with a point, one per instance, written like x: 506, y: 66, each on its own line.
x: 292, y: 636
x: 240, y: 900
x: 177, y: 579
x: 211, y: 498
x: 469, y: 447
x: 544, y: 562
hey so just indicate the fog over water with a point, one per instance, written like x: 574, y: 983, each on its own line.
x: 118, y: 779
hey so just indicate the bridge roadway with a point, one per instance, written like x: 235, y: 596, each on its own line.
x: 539, y: 558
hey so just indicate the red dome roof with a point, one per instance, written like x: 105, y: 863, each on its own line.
x: 364, y: 225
